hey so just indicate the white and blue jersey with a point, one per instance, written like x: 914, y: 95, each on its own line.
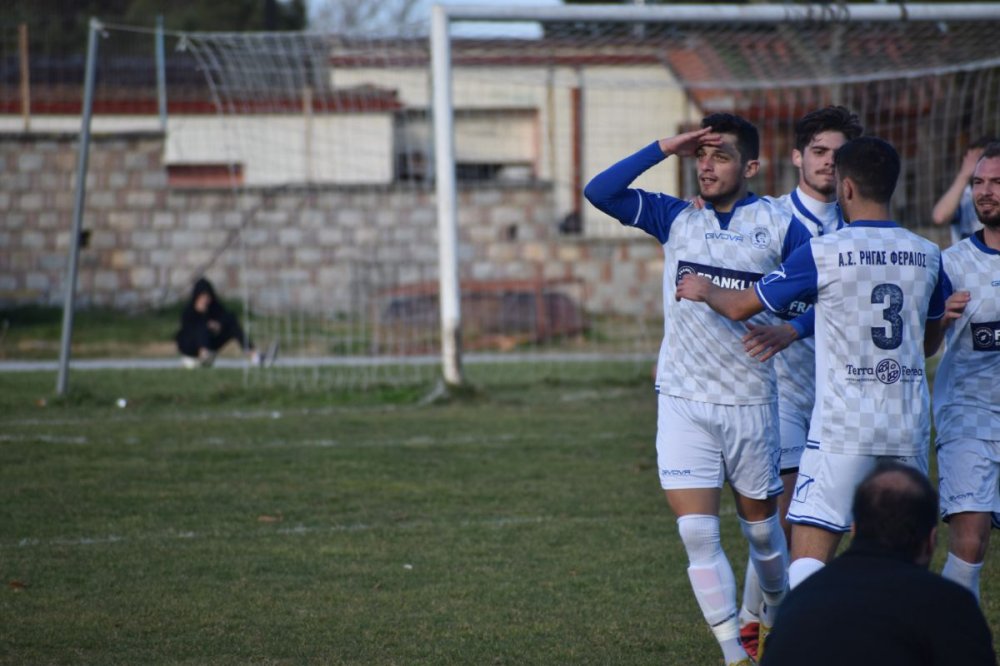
x: 702, y: 356
x: 795, y: 366
x: 965, y: 386
x: 874, y: 285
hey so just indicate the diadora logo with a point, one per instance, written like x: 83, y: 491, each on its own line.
x: 724, y: 236
x: 888, y: 371
x: 720, y: 277
x: 986, y: 336
x: 760, y: 238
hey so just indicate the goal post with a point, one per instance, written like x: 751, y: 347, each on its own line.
x: 402, y: 207
x: 912, y: 75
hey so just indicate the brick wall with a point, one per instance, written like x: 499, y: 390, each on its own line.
x: 148, y: 240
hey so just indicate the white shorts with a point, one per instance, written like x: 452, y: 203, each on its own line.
x: 794, y: 429
x: 824, y: 490
x: 969, y: 477
x: 702, y: 445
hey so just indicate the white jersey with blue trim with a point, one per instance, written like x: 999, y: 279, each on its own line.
x: 965, y: 385
x: 795, y: 366
x: 874, y: 285
x: 702, y: 357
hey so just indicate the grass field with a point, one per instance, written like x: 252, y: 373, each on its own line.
x: 211, y: 523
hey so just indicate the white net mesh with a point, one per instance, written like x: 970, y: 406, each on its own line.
x: 305, y: 162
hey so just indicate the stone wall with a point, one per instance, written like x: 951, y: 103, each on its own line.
x: 147, y: 241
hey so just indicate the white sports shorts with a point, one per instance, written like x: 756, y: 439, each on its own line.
x: 824, y: 490
x: 702, y: 445
x: 794, y: 430
x: 969, y: 477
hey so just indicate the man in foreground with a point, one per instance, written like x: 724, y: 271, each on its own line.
x: 880, y: 593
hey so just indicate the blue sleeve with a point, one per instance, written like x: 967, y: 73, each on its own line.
x: 797, y: 236
x: 805, y: 323
x: 942, y: 289
x: 795, y: 280
x: 609, y: 192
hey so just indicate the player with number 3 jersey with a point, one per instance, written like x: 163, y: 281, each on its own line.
x: 878, y: 301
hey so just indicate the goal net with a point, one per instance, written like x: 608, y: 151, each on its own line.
x: 307, y: 163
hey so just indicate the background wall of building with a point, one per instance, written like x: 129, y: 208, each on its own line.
x: 148, y: 240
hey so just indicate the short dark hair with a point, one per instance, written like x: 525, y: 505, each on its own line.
x: 982, y: 142
x: 991, y: 150
x: 872, y: 164
x: 747, y: 137
x: 895, y: 514
x: 827, y: 119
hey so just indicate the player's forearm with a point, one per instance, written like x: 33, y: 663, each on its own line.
x: 944, y: 210
x: 609, y: 190
x: 734, y: 304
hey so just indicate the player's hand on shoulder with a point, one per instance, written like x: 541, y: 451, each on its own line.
x: 763, y: 342
x: 693, y: 287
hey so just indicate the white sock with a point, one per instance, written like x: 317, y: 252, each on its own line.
x: 752, y: 596
x: 964, y: 573
x: 801, y: 569
x: 769, y: 556
x: 712, y: 580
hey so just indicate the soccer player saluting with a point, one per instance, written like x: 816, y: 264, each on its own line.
x: 717, y: 415
x: 966, y: 412
x: 878, y: 302
x: 813, y: 202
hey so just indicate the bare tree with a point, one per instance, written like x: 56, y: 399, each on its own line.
x: 366, y: 16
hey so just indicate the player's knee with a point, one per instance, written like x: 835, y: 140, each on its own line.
x: 701, y: 536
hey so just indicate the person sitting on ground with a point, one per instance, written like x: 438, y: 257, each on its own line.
x: 880, y: 593
x: 206, y: 327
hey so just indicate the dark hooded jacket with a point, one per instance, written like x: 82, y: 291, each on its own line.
x: 211, y: 329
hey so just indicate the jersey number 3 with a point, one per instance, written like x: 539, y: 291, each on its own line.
x: 890, y: 335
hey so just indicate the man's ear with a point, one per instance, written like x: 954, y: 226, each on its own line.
x: 797, y: 158
x: 751, y: 168
x: 847, y: 189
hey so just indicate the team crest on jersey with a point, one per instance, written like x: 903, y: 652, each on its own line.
x: 888, y: 371
x: 986, y: 336
x: 760, y: 238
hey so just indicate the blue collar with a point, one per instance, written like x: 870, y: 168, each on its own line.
x: 979, y: 240
x: 877, y: 224
x: 725, y: 218
x: 748, y: 199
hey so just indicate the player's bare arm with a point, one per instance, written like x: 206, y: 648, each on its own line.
x: 687, y: 144
x: 954, y: 307
x: 735, y: 304
x: 764, y: 342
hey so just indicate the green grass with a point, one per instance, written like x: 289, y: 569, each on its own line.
x: 208, y: 523
x: 34, y: 332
